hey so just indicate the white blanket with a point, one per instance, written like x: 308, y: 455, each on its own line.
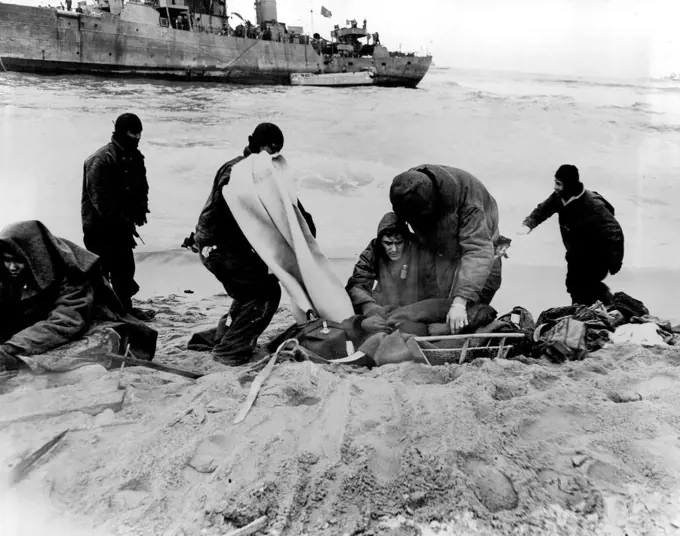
x: 262, y: 198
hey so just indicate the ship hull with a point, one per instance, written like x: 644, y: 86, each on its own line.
x: 46, y: 41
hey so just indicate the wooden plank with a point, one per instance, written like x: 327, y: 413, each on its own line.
x: 250, y: 528
x: 118, y: 360
x: 24, y: 467
x: 93, y: 398
x: 501, y: 347
x: 463, y: 351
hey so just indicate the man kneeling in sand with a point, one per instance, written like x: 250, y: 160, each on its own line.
x: 455, y: 217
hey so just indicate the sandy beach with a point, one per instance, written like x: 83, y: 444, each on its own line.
x: 492, y: 447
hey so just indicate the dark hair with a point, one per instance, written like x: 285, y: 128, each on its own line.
x: 392, y: 232
x: 265, y: 134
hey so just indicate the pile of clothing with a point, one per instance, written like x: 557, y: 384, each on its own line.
x: 571, y: 332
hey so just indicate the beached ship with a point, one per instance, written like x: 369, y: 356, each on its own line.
x: 191, y: 40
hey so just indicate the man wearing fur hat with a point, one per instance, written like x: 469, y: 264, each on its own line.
x: 115, y: 200
x: 590, y: 233
x: 455, y: 217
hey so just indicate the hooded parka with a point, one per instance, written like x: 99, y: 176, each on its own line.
x: 396, y: 285
x: 455, y: 217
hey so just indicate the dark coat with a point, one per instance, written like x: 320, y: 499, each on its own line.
x: 217, y: 226
x: 590, y: 232
x: 115, y: 195
x: 61, y: 294
x: 374, y: 266
x: 463, y: 232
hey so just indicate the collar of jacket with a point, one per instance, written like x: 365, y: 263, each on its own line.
x: 573, y: 198
x: 125, y: 152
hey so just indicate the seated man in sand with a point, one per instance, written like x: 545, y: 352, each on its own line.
x: 50, y: 292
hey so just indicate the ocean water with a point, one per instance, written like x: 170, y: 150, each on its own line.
x: 511, y: 130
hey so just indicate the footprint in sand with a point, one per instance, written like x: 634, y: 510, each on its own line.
x: 508, y: 391
x: 556, y: 422
x: 209, y: 451
x: 491, y: 487
x: 543, y: 380
x: 655, y: 385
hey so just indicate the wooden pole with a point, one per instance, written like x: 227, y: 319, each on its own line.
x: 311, y: 15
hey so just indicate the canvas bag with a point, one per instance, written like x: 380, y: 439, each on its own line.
x: 566, y: 340
x: 519, y: 320
x: 325, y: 338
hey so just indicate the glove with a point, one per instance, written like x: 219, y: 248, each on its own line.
x: 374, y: 324
x: 206, y: 251
x: 457, y: 317
x: 501, y: 251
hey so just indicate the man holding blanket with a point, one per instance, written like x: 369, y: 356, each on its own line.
x: 251, y: 234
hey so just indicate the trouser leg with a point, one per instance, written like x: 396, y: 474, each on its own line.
x: 118, y: 263
x: 256, y: 298
x: 251, y: 319
x: 585, y: 282
x: 493, y: 283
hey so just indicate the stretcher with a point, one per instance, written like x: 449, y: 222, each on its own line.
x: 443, y: 349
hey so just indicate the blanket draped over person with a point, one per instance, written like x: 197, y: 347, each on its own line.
x: 57, y: 295
x: 261, y: 196
x: 396, y: 285
x: 455, y: 216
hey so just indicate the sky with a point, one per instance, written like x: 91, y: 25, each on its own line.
x: 608, y: 38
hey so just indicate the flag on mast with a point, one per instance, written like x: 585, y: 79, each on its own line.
x: 326, y: 13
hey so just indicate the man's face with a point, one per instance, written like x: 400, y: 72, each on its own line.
x: 559, y: 187
x: 13, y: 265
x: 134, y: 136
x: 393, y: 246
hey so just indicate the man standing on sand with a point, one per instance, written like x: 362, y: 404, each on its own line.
x: 115, y: 199
x: 455, y: 216
x: 591, y: 235
x: 226, y: 252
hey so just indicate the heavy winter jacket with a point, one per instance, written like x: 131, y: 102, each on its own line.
x: 590, y: 232
x: 58, y: 296
x: 463, y: 232
x: 115, y: 195
x: 217, y: 226
x: 374, y: 266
